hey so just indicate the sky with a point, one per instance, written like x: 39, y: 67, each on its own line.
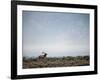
x: 56, y: 33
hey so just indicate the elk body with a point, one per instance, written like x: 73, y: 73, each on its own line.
x: 43, y: 56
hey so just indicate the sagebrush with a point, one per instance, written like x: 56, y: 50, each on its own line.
x: 55, y: 62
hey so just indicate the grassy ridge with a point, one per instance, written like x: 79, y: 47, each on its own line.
x: 55, y: 62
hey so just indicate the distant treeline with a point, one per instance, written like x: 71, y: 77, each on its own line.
x: 60, y: 58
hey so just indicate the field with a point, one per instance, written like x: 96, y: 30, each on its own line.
x: 55, y: 62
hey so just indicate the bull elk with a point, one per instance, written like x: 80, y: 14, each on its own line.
x: 43, y: 56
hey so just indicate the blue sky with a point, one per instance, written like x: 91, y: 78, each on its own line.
x: 58, y: 34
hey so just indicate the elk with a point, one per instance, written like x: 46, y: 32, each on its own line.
x: 43, y: 56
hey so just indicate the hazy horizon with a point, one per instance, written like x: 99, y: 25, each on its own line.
x: 58, y: 34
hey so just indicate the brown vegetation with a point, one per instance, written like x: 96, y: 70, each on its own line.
x: 55, y: 62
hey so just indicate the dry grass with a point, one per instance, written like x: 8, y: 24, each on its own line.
x: 55, y: 62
